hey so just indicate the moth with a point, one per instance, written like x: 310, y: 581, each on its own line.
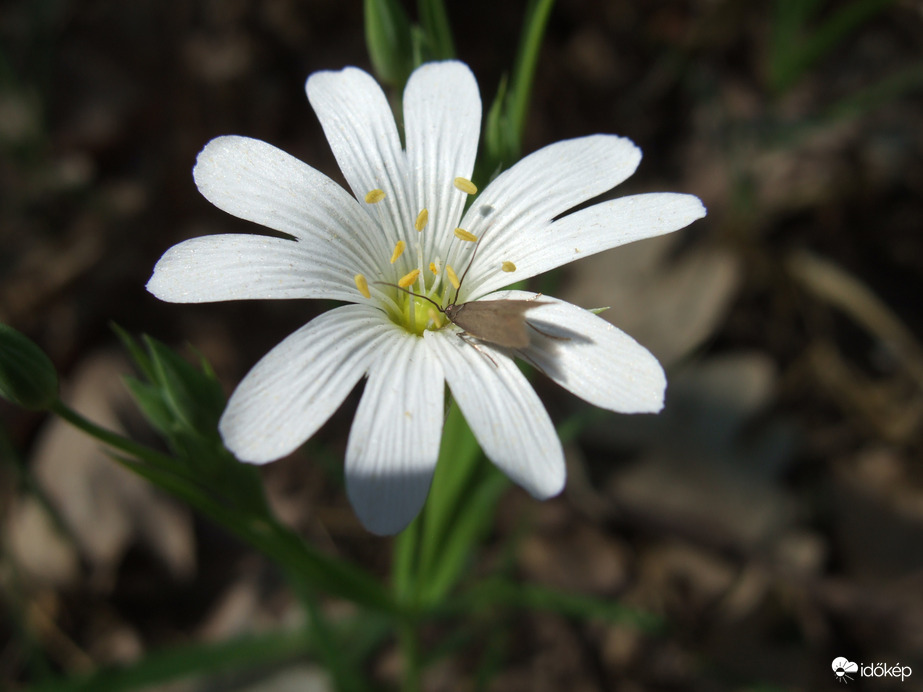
x: 499, y: 322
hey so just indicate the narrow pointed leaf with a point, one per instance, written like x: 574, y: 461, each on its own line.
x: 27, y: 376
x: 388, y: 39
x: 435, y: 21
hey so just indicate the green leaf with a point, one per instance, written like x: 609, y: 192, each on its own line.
x: 506, y: 119
x: 152, y: 405
x: 896, y: 85
x: 184, y: 403
x: 388, y: 38
x: 194, y: 395
x: 459, y: 455
x: 137, y: 353
x: 460, y: 508
x: 27, y: 376
x: 795, y: 47
x: 533, y: 32
x: 436, y: 29
x: 499, y: 139
x: 418, y: 548
x: 191, y: 659
x: 512, y: 594
x: 404, y: 562
x: 357, y: 638
x: 466, y: 533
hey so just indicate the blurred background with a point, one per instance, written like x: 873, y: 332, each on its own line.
x: 772, y: 516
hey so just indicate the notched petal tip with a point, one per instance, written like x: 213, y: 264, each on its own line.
x: 624, y: 146
x: 613, y: 151
x: 323, y: 79
x: 214, y: 157
x: 654, y: 402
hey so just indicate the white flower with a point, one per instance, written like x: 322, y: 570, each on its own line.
x: 355, y: 249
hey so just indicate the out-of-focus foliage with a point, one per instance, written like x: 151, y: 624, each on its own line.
x: 27, y: 375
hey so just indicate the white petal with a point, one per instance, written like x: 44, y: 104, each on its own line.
x: 256, y: 181
x: 442, y: 121
x: 394, y: 441
x: 591, y: 358
x: 245, y: 267
x: 504, y: 412
x: 298, y: 385
x: 360, y: 128
x: 600, y: 227
x: 524, y: 199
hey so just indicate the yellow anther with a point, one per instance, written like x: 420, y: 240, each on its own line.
x: 432, y: 268
x: 374, y: 196
x: 362, y: 285
x: 508, y: 267
x: 462, y: 234
x: 408, y: 278
x: 466, y: 186
x: 453, y: 277
x: 398, y: 250
x: 422, y: 218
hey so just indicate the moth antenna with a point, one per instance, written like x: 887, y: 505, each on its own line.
x: 410, y: 293
x: 465, y: 273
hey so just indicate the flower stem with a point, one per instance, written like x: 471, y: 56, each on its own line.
x: 112, y: 439
x: 410, y: 649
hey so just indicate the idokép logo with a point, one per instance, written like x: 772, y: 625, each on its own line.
x: 842, y: 668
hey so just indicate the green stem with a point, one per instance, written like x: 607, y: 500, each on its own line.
x: 410, y: 649
x: 405, y: 582
x: 112, y: 439
x: 405, y: 563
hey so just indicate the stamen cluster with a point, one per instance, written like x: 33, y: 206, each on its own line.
x: 419, y: 301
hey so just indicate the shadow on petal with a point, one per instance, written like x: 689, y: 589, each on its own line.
x: 387, y: 502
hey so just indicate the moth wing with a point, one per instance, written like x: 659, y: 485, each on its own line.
x: 501, y: 322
